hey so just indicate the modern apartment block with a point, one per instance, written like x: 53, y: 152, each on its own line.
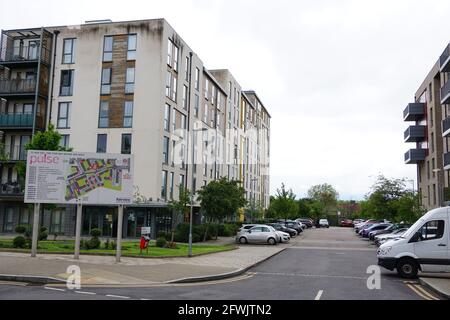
x: 430, y: 131
x: 127, y: 87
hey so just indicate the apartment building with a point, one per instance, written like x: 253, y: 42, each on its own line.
x: 123, y: 87
x: 430, y: 132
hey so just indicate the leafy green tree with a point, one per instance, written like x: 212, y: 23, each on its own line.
x: 180, y: 208
x: 325, y: 199
x: 408, y: 208
x: 283, y: 205
x: 304, y: 207
x: 221, y: 199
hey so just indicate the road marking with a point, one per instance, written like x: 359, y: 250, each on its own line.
x: 413, y: 288
x: 84, y: 292
x: 421, y: 289
x: 310, y: 275
x: 331, y: 248
x: 118, y: 297
x: 319, y: 295
x: 54, y: 289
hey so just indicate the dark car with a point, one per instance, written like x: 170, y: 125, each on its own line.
x: 375, y: 227
x: 307, y: 222
x: 281, y: 227
x: 292, y: 224
x: 388, y: 230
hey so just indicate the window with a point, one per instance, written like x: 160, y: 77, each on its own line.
x: 8, y: 219
x: 213, y: 95
x: 181, y: 180
x: 171, y: 86
x: 164, y: 184
x: 128, y: 114
x: 69, y: 51
x: 63, y: 115
x: 28, y: 108
x: 25, y: 216
x: 171, y: 180
x: 432, y: 230
x: 434, y: 194
x: 431, y: 118
x: 132, y: 45
x: 205, y: 115
x: 174, y: 120
x: 186, y: 69
x: 172, y: 55
x: 129, y: 81
x: 430, y: 92
x: 65, y: 141
x: 206, y: 88
x: 197, y: 78
x: 103, y: 120
x: 66, y: 85
x: 107, y: 48
x: 196, y: 105
x: 167, y: 118
x: 432, y: 142
x: 185, y: 97
x: 126, y: 144
x: 174, y: 88
x: 57, y: 221
x: 101, y: 143
x: 205, y: 165
x: 183, y: 125
x: 106, y: 81
x: 166, y: 150
x: 172, y: 160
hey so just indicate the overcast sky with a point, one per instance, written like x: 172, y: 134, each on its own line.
x: 334, y: 75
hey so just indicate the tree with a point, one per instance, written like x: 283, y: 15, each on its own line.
x: 221, y: 199
x: 408, y: 207
x: 179, y: 207
x: 325, y: 199
x: 304, y: 207
x: 283, y: 205
x: 349, y: 209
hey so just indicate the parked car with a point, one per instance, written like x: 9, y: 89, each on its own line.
x: 246, y: 227
x: 346, y: 223
x: 307, y: 222
x: 323, y: 223
x: 382, y: 238
x: 364, y: 225
x: 424, y: 246
x: 280, y: 227
x: 357, y: 221
x: 388, y: 230
x: 379, y: 226
x: 292, y: 224
x: 258, y: 234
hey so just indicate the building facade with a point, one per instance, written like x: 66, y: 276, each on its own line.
x: 127, y: 87
x: 430, y: 131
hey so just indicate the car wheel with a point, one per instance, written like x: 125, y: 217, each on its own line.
x: 272, y: 241
x: 242, y: 240
x: 407, y: 268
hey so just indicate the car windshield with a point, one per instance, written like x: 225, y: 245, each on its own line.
x: 408, y: 233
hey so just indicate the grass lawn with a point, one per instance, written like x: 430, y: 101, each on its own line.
x: 129, y: 248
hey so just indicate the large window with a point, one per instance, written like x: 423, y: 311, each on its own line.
x: 196, y: 105
x: 205, y: 114
x: 164, y: 184
x: 126, y: 144
x: 432, y: 230
x: 166, y: 150
x: 167, y: 117
x: 197, y: 79
x: 65, y: 141
x: 206, y: 88
x: 103, y: 119
x: 68, y: 51
x: 172, y: 55
x: 106, y: 81
x: 129, y: 81
x: 181, y: 181
x: 171, y: 181
x: 128, y: 114
x: 63, y: 115
x: 66, y: 85
x: 108, y: 48
x: 8, y: 217
x: 25, y: 216
x: 132, y: 45
x: 186, y: 69
x: 101, y: 143
x: 171, y: 86
x: 185, y: 97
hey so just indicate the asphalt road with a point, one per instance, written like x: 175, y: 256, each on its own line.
x: 326, y: 264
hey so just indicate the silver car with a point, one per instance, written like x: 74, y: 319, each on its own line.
x: 258, y: 234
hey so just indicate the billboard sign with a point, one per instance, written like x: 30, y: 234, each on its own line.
x: 77, y: 177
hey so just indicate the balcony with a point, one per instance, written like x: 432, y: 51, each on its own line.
x: 415, y: 134
x: 17, y: 88
x: 414, y: 112
x: 447, y: 161
x: 24, y: 56
x: 445, y: 93
x: 16, y: 120
x: 12, y: 154
x: 446, y: 127
x: 11, y: 190
x: 444, y: 60
x: 415, y: 156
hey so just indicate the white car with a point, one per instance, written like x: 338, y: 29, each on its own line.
x: 323, y: 223
x: 382, y: 238
x: 283, y: 236
x: 258, y: 234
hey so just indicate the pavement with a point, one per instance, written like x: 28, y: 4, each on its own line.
x: 105, y: 271
x: 439, y: 284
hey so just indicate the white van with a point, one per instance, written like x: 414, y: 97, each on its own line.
x: 424, y: 247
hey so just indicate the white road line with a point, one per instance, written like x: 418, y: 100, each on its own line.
x: 144, y: 299
x: 319, y: 295
x: 119, y: 297
x: 54, y: 289
x: 84, y: 292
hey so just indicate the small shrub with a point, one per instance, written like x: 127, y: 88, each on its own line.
x: 21, y: 229
x: 107, y: 244
x: 113, y: 245
x: 19, y: 242
x: 94, y: 243
x: 161, y: 242
x: 96, y: 233
x: 172, y: 245
x: 43, y: 235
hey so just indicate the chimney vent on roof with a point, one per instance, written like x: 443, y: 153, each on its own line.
x: 98, y: 21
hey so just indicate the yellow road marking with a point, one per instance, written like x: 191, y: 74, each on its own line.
x: 417, y: 292
x: 419, y: 287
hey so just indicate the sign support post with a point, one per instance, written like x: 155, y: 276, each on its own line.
x: 78, y: 231
x: 34, y: 241
x: 119, y: 233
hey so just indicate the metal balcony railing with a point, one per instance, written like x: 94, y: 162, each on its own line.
x: 414, y: 156
x: 16, y: 120
x: 415, y: 134
x: 11, y: 189
x: 445, y: 93
x: 13, y: 153
x: 18, y: 86
x: 446, y: 127
x: 414, y: 112
x: 444, y: 60
x: 447, y: 161
x: 25, y: 54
